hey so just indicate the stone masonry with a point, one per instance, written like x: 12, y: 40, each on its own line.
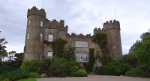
x: 41, y: 32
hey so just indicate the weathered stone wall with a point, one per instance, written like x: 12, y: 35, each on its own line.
x: 112, y: 30
x: 33, y: 42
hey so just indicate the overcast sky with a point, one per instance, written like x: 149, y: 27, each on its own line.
x: 82, y: 16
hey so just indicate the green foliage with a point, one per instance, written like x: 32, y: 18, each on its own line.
x: 29, y: 79
x: 91, y: 60
x: 141, y: 49
x: 57, y: 67
x: 69, y: 53
x: 132, y: 60
x: 101, y: 39
x: 3, y: 51
x: 14, y: 75
x: 135, y: 72
x: 19, y: 59
x: 32, y: 66
x: 62, y: 67
x: 59, y: 46
x: 115, y: 67
x: 79, y: 73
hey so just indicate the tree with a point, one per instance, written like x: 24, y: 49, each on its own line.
x: 141, y: 49
x: 91, y: 60
x: 101, y: 39
x: 59, y: 46
x: 69, y: 53
x: 19, y: 59
x: 3, y: 51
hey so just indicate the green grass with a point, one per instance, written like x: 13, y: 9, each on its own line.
x: 29, y: 79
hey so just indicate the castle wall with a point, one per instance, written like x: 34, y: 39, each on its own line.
x: 112, y: 30
x: 38, y: 43
x: 34, y: 42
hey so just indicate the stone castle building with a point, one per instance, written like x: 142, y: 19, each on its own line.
x: 41, y: 32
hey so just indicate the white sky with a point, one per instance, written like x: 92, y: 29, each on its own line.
x: 82, y: 16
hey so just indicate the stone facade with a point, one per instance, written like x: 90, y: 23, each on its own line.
x: 41, y: 32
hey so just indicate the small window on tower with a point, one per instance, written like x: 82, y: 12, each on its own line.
x: 41, y: 36
x: 41, y: 23
x: 27, y: 35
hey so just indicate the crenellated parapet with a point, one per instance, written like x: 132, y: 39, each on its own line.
x: 96, y: 30
x: 112, y: 24
x: 36, y: 11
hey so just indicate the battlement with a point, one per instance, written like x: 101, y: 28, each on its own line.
x: 57, y: 24
x: 97, y: 30
x: 111, y: 25
x: 36, y: 11
x: 80, y: 36
x: 61, y: 22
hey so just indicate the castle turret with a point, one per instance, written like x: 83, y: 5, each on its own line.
x: 112, y: 30
x: 34, y: 34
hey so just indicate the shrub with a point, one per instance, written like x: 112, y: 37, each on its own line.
x: 58, y: 67
x: 14, y: 75
x: 135, y: 72
x: 32, y: 66
x: 79, y: 73
x: 61, y: 67
x: 115, y: 67
x: 29, y: 79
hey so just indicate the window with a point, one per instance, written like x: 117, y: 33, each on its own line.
x: 50, y: 54
x: 50, y: 37
x: 27, y: 35
x: 81, y: 44
x: 82, y: 57
x: 41, y: 23
x: 41, y: 36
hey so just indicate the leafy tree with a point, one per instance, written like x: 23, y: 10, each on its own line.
x: 3, y: 51
x: 19, y: 59
x: 59, y: 46
x: 101, y: 39
x: 142, y: 49
x: 91, y: 60
x: 69, y: 53
x: 115, y: 67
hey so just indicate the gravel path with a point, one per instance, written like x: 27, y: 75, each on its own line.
x: 96, y: 78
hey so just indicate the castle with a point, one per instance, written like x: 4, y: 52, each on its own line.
x: 41, y: 32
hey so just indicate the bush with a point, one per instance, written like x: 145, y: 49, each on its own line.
x: 29, y: 79
x: 61, y: 67
x: 135, y: 72
x: 14, y: 75
x: 32, y: 66
x: 79, y: 73
x: 115, y: 67
x: 58, y: 67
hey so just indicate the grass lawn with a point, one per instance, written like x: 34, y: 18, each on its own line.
x: 29, y: 79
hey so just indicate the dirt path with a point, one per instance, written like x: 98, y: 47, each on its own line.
x: 96, y: 78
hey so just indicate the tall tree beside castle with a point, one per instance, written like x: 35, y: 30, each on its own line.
x: 41, y: 33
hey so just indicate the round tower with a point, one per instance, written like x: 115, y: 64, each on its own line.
x: 112, y: 30
x: 34, y: 34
